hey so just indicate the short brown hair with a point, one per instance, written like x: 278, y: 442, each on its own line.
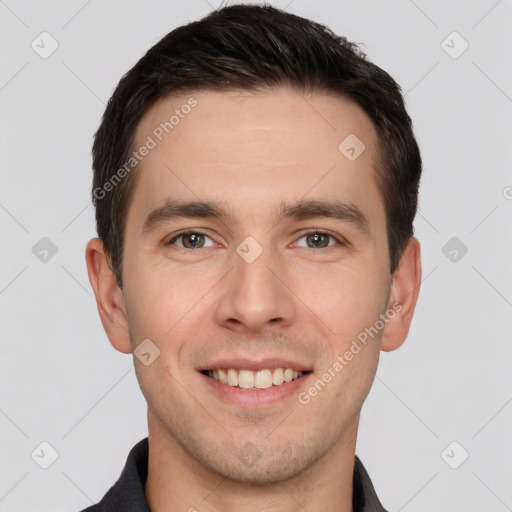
x: 255, y: 47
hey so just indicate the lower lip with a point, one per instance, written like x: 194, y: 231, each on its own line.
x: 255, y: 398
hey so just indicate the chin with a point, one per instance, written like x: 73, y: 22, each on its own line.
x: 254, y: 467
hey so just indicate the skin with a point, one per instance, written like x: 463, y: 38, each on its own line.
x: 248, y: 152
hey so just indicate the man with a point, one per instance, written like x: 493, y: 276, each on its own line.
x: 255, y: 185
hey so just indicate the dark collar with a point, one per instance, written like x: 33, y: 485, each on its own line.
x: 127, y: 494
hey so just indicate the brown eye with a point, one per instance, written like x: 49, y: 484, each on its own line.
x: 319, y: 240
x: 190, y: 240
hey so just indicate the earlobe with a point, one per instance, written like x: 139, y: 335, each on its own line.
x: 109, y: 298
x: 404, y: 293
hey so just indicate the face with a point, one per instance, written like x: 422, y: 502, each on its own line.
x: 283, y: 265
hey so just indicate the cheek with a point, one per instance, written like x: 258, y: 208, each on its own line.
x: 157, y: 297
x: 339, y: 390
x: 358, y: 377
x: 345, y: 300
x: 170, y: 307
x: 161, y: 385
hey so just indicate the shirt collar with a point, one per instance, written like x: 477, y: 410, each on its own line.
x: 127, y: 494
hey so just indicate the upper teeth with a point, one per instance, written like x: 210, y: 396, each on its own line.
x: 261, y: 379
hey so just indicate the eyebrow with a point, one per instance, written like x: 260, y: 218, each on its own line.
x: 173, y: 209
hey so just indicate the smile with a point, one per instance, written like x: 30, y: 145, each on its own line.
x: 260, y: 379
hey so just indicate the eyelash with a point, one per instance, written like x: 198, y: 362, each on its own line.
x: 197, y: 232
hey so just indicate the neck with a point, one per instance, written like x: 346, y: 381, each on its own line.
x: 177, y: 481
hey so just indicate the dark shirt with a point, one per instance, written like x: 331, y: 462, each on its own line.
x: 127, y: 494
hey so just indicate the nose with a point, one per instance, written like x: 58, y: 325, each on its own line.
x: 255, y: 295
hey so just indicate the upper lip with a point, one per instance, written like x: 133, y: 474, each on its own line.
x: 248, y: 364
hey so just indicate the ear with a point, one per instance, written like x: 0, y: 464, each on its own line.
x: 109, y: 297
x: 404, y: 292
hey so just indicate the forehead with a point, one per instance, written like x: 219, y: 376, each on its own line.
x: 270, y: 118
x: 254, y: 150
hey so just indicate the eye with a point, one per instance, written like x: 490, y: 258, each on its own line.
x: 191, y: 240
x: 196, y: 240
x: 319, y: 239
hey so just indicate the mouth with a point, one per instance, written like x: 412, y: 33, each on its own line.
x: 255, y: 379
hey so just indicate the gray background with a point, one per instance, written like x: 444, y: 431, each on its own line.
x: 62, y: 382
